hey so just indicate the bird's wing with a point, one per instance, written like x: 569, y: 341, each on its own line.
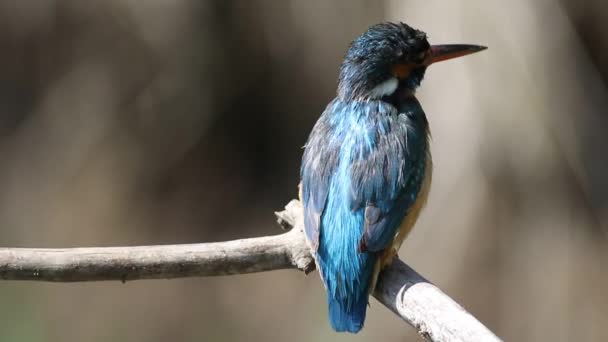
x: 318, y: 165
x: 387, y: 182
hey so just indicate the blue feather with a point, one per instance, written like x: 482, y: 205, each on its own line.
x: 346, y: 319
x: 346, y: 271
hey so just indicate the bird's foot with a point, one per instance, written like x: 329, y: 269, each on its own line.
x: 389, y: 256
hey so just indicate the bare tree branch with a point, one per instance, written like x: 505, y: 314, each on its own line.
x: 434, y: 315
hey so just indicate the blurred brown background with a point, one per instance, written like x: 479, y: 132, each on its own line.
x: 149, y: 122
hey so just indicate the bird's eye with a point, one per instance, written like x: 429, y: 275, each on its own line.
x: 420, y: 57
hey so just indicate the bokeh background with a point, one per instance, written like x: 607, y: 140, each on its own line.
x: 128, y: 122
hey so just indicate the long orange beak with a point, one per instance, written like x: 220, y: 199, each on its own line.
x: 444, y: 52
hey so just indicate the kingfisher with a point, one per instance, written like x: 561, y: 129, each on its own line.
x: 366, y: 168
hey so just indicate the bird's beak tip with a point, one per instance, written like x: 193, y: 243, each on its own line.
x: 444, y: 52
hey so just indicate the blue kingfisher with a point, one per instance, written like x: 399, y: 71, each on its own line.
x: 366, y: 169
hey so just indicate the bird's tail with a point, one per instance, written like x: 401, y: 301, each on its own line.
x: 345, y: 317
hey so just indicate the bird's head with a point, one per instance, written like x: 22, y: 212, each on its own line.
x: 390, y: 56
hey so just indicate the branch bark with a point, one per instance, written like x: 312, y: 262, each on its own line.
x: 432, y: 313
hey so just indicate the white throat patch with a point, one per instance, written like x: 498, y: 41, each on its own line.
x: 385, y: 88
